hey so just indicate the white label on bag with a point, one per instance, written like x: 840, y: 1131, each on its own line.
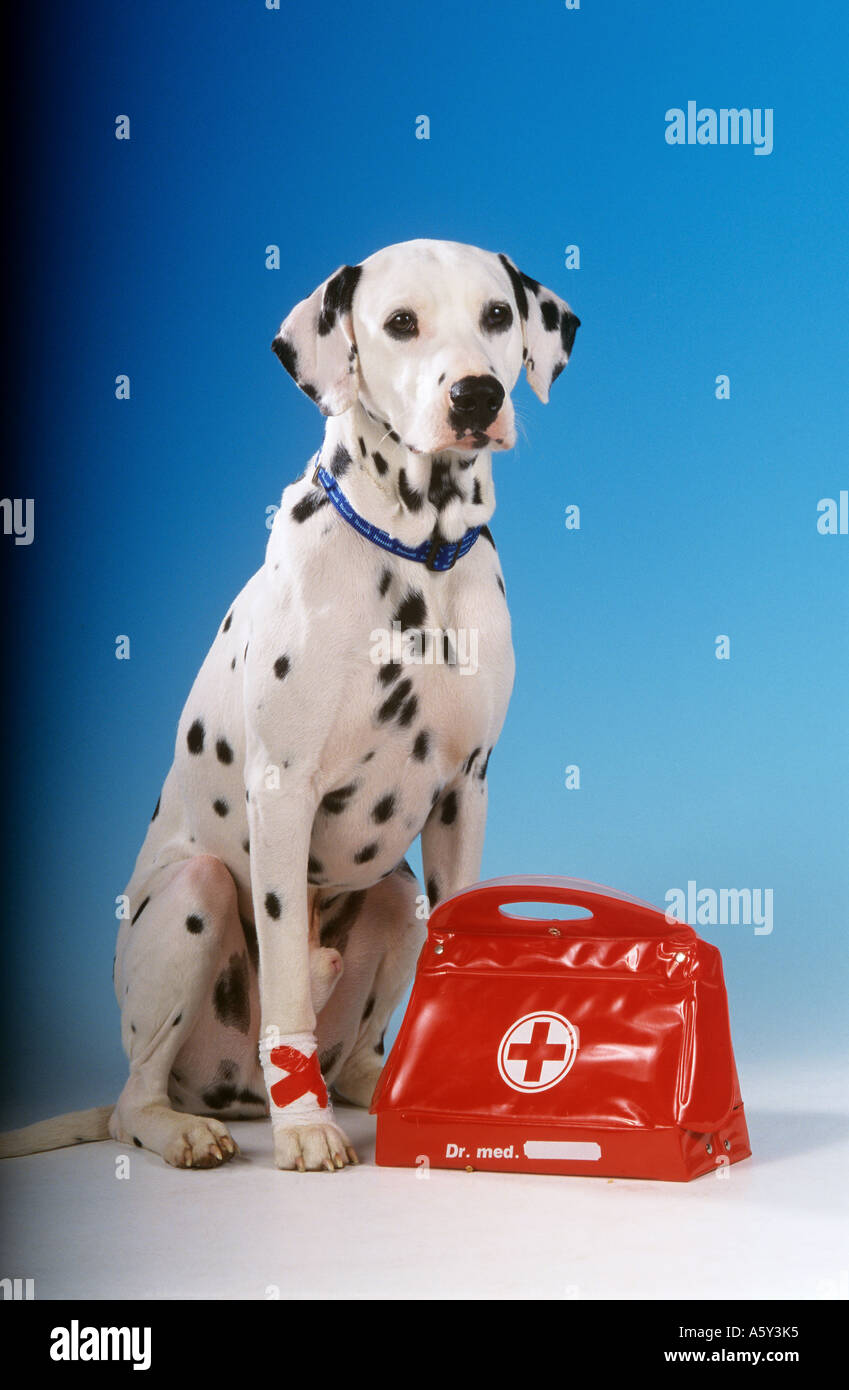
x: 537, y: 1051
x: 561, y: 1148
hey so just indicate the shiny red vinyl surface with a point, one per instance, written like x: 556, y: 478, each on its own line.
x: 599, y: 1045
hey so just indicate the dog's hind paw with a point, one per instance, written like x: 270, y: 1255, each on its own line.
x: 199, y: 1143
x: 184, y: 1141
x: 312, y: 1148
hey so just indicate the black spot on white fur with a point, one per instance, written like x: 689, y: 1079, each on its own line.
x: 384, y: 809
x: 335, y: 933
x: 411, y: 611
x: 412, y: 499
x: 251, y: 942
x: 569, y: 325
x: 518, y: 287
x: 550, y: 315
x: 225, y: 1090
x: 309, y: 504
x: 230, y: 996
x: 340, y: 462
x: 194, y: 738
x: 393, y: 706
x: 443, y: 489
x: 334, y: 802
x: 389, y: 672
x: 328, y: 1059
x: 338, y: 297
x: 287, y: 354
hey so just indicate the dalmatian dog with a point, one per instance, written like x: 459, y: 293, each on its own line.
x: 273, y: 921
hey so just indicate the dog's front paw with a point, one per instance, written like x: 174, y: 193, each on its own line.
x: 305, y: 1136
x: 312, y: 1148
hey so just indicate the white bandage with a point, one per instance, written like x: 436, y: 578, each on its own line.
x: 296, y: 1090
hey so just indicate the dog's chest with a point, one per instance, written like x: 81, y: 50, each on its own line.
x: 422, y: 709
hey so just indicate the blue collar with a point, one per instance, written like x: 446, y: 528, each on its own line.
x: 434, y: 555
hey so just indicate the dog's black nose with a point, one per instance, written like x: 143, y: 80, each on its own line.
x: 475, y: 401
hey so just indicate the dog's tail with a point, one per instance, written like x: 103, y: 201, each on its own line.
x: 78, y: 1127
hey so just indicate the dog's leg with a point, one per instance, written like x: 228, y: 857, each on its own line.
x: 379, y: 932
x: 280, y: 819
x: 306, y: 1136
x: 452, y: 838
x: 293, y: 693
x: 164, y: 974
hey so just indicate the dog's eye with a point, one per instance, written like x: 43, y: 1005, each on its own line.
x: 402, y: 324
x: 496, y: 317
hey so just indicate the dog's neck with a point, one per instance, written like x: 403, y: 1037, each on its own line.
x: 414, y: 497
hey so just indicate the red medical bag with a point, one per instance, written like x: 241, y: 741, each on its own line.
x: 595, y: 1046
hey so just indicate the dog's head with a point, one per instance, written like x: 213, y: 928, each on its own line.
x: 430, y: 336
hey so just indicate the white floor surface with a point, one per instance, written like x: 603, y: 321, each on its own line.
x: 774, y: 1228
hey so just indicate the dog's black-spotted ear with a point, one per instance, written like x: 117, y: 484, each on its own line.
x: 316, y: 343
x: 548, y: 329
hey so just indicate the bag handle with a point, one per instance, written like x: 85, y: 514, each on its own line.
x: 613, y: 913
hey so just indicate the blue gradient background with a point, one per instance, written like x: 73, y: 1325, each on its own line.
x: 252, y: 127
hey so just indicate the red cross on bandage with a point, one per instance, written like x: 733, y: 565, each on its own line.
x: 304, y: 1076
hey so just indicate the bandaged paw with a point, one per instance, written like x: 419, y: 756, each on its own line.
x: 296, y: 1089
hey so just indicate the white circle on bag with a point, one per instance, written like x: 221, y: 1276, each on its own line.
x: 537, y: 1051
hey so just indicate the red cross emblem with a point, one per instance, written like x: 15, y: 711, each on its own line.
x: 537, y: 1051
x: 304, y: 1076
